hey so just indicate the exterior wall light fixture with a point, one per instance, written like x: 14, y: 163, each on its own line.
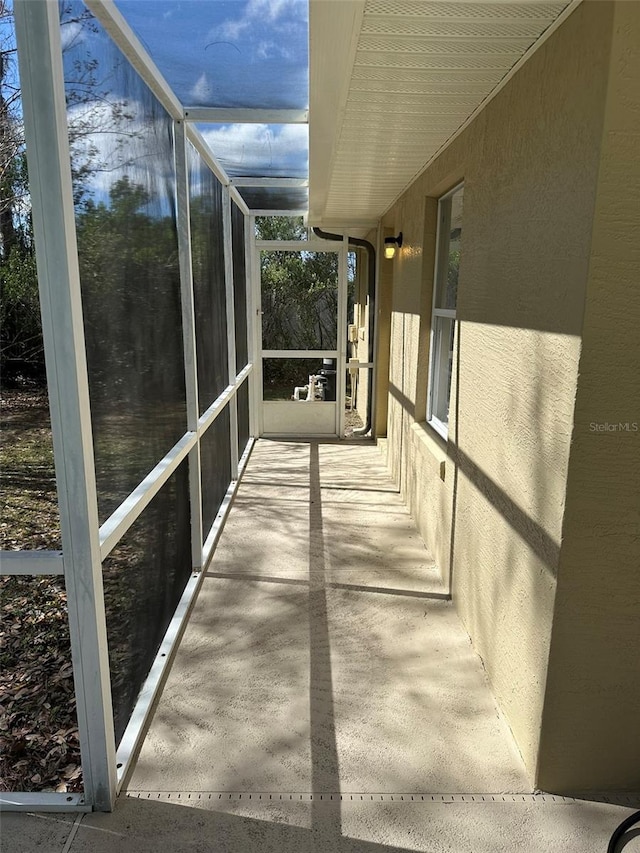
x: 391, y: 244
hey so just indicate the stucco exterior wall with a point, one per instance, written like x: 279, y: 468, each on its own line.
x: 530, y: 164
x: 591, y: 729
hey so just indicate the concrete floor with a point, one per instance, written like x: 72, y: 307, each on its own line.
x: 325, y: 696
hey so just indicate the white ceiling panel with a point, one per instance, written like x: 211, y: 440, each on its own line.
x: 414, y: 72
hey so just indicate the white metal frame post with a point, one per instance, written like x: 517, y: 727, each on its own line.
x: 231, y: 326
x: 249, y: 232
x: 189, y: 337
x: 256, y: 331
x: 41, y: 73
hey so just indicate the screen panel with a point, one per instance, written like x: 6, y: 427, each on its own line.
x: 207, y: 248
x: 288, y: 378
x: 144, y: 577
x: 122, y: 161
x: 215, y: 461
x: 280, y: 228
x: 243, y: 416
x: 275, y: 198
x: 259, y: 150
x: 28, y: 494
x: 228, y: 54
x: 299, y: 295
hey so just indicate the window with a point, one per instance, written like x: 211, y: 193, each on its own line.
x: 443, y: 315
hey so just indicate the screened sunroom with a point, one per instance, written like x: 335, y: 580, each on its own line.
x: 144, y: 243
x: 148, y: 182
x: 233, y: 235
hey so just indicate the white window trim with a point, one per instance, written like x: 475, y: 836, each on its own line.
x: 447, y: 313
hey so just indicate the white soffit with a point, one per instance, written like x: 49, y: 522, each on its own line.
x: 391, y: 81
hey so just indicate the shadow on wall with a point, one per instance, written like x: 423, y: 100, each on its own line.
x: 507, y: 556
x: 506, y: 514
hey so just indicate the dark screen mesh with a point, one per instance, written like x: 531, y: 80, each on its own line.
x: 239, y: 286
x: 207, y: 242
x: 122, y: 162
x: 215, y: 460
x: 144, y: 578
x: 299, y: 300
x: 243, y: 416
x: 276, y: 198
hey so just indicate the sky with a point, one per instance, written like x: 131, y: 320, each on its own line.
x: 221, y: 53
x: 234, y: 53
x: 227, y: 53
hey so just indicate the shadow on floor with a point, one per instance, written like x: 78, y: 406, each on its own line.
x: 144, y: 826
x: 322, y: 654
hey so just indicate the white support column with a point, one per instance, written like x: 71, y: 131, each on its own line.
x: 189, y: 337
x: 341, y: 364
x: 249, y: 232
x: 40, y: 57
x: 256, y: 331
x: 231, y: 326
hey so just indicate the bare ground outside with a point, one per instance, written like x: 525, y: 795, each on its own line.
x: 39, y: 747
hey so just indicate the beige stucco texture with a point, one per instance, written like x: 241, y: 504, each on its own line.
x: 547, y: 246
x: 591, y: 733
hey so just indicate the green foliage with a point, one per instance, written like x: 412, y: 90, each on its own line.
x: 129, y: 272
x: 299, y: 303
x: 93, y: 111
x: 299, y: 290
x: 21, y: 345
x: 299, y: 300
x: 280, y: 228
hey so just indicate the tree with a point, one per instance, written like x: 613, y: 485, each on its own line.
x: 129, y: 273
x: 93, y: 111
x: 21, y: 350
x: 299, y: 291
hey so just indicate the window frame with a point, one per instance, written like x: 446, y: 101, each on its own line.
x: 439, y: 359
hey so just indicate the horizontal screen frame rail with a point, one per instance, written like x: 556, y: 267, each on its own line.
x: 299, y: 353
x: 114, y: 528
x: 31, y: 563
x: 42, y: 801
